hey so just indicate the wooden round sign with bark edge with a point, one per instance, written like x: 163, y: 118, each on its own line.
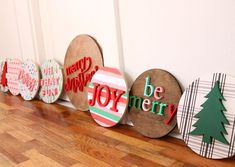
x: 206, y: 116
x: 83, y: 58
x: 153, y: 101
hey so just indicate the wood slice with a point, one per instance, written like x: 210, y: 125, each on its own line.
x: 195, y: 100
x: 51, y: 82
x: 29, y: 80
x: 14, y: 66
x: 148, y: 121
x: 82, y: 60
x: 108, y: 96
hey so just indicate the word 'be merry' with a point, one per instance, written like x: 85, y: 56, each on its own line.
x: 148, y: 105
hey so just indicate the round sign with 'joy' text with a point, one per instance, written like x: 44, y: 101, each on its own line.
x: 107, y: 96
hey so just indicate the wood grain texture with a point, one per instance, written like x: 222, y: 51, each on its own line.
x: 81, y: 46
x: 152, y: 124
x: 33, y: 133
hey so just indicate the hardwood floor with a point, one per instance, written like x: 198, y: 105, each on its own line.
x: 36, y: 134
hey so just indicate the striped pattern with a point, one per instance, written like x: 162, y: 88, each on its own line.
x: 189, y: 106
x: 13, y: 70
x: 113, y: 78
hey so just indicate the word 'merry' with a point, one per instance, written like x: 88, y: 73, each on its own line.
x: 148, y: 105
x: 83, y: 77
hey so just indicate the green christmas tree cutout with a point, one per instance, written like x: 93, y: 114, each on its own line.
x: 211, y: 118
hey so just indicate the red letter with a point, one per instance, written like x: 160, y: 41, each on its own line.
x: 172, y: 112
x: 115, y: 98
x: 106, y: 95
x: 92, y: 101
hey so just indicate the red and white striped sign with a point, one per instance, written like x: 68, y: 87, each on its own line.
x: 107, y: 96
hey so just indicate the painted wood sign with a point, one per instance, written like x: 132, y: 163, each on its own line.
x: 13, y: 70
x: 153, y: 101
x: 29, y: 80
x: 51, y: 82
x: 206, y: 116
x: 3, y: 81
x: 82, y: 60
x: 107, y: 96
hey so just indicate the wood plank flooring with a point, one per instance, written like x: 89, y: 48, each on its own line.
x: 35, y: 134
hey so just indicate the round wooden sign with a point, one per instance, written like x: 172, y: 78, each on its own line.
x: 13, y: 70
x: 3, y: 74
x: 51, y: 82
x: 153, y: 101
x: 107, y: 96
x: 82, y: 60
x: 29, y: 80
x: 206, y: 116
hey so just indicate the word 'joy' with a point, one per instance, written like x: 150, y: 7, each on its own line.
x: 106, y: 93
x: 148, y: 105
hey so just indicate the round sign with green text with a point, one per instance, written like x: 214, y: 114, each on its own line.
x: 153, y: 101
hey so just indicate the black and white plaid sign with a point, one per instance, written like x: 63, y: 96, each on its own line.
x: 190, y: 104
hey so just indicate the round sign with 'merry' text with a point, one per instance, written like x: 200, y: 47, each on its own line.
x: 83, y: 58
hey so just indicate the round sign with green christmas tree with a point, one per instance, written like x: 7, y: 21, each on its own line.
x: 206, y: 118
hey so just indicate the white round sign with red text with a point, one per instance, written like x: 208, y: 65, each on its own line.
x: 51, y: 82
x: 29, y: 80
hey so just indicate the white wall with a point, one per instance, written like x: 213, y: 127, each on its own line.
x: 185, y: 37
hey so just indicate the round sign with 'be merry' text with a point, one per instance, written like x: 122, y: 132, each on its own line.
x: 107, y: 96
x: 51, y: 82
x: 13, y: 70
x: 206, y: 116
x: 153, y: 102
x: 83, y: 58
x: 29, y: 80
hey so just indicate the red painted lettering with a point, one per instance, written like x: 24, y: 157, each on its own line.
x: 115, y: 96
x: 91, y: 102
x: 172, y: 112
x: 106, y: 95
